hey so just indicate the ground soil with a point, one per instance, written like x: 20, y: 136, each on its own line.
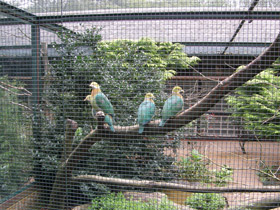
x: 245, y: 165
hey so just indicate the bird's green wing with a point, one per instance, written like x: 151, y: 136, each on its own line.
x: 146, y: 112
x: 172, y: 106
x: 104, y: 104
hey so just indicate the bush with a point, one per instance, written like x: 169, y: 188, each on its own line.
x: 126, y: 70
x: 206, y: 201
x: 118, y: 202
x: 257, y: 102
x: 15, y: 146
x: 195, y: 168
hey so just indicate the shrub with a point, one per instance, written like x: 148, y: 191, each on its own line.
x: 195, y: 168
x: 206, y: 201
x: 256, y: 104
x: 118, y: 202
x: 15, y: 146
x: 126, y: 70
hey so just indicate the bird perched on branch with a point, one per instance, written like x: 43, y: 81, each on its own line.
x: 100, y: 102
x: 173, y: 105
x: 146, y: 111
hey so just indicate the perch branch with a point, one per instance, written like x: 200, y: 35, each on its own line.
x: 171, y: 186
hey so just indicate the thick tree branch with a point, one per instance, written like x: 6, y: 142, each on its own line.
x: 188, y: 187
x: 263, y: 203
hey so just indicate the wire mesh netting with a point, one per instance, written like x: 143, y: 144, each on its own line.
x: 139, y: 104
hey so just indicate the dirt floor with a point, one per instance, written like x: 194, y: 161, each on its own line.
x: 245, y: 165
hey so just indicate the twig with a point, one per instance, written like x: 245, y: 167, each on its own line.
x: 203, y: 75
x: 18, y: 94
x: 14, y: 87
x: 21, y: 105
x: 230, y: 66
x: 24, y: 34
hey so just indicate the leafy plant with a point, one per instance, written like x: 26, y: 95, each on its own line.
x: 269, y: 174
x: 119, y: 202
x: 195, y: 168
x: 206, y: 201
x: 15, y: 153
x: 257, y: 102
x: 126, y: 70
x: 223, y: 176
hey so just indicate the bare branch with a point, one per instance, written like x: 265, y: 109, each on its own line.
x: 21, y: 105
x: 187, y: 187
x: 28, y: 93
x: 207, y: 78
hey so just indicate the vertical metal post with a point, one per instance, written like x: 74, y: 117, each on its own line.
x: 36, y: 92
x: 36, y: 64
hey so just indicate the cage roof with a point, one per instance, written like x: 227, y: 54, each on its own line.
x: 203, y: 30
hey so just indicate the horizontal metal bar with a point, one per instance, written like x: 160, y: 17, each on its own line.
x: 223, y: 44
x: 211, y: 78
x: 195, y: 15
x: 191, y: 15
x: 19, y: 16
x: 16, y: 13
x: 197, y: 44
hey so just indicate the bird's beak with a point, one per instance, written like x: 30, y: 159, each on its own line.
x: 85, y: 99
x: 182, y: 91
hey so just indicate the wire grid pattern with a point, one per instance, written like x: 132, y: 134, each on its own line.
x: 79, y: 131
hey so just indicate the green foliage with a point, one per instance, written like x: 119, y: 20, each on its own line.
x: 126, y: 71
x: 268, y: 174
x: 195, y: 168
x: 206, y: 201
x: 15, y: 127
x: 132, y: 159
x: 257, y: 102
x: 119, y: 202
x: 135, y: 68
x: 223, y: 176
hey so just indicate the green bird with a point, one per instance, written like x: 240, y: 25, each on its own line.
x: 173, y: 105
x: 146, y: 111
x: 100, y: 102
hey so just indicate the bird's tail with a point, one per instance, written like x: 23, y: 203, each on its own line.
x: 141, y: 129
x: 161, y: 124
x: 109, y: 120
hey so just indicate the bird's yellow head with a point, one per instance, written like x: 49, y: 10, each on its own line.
x: 88, y: 98
x: 177, y: 90
x: 149, y: 96
x: 94, y: 85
